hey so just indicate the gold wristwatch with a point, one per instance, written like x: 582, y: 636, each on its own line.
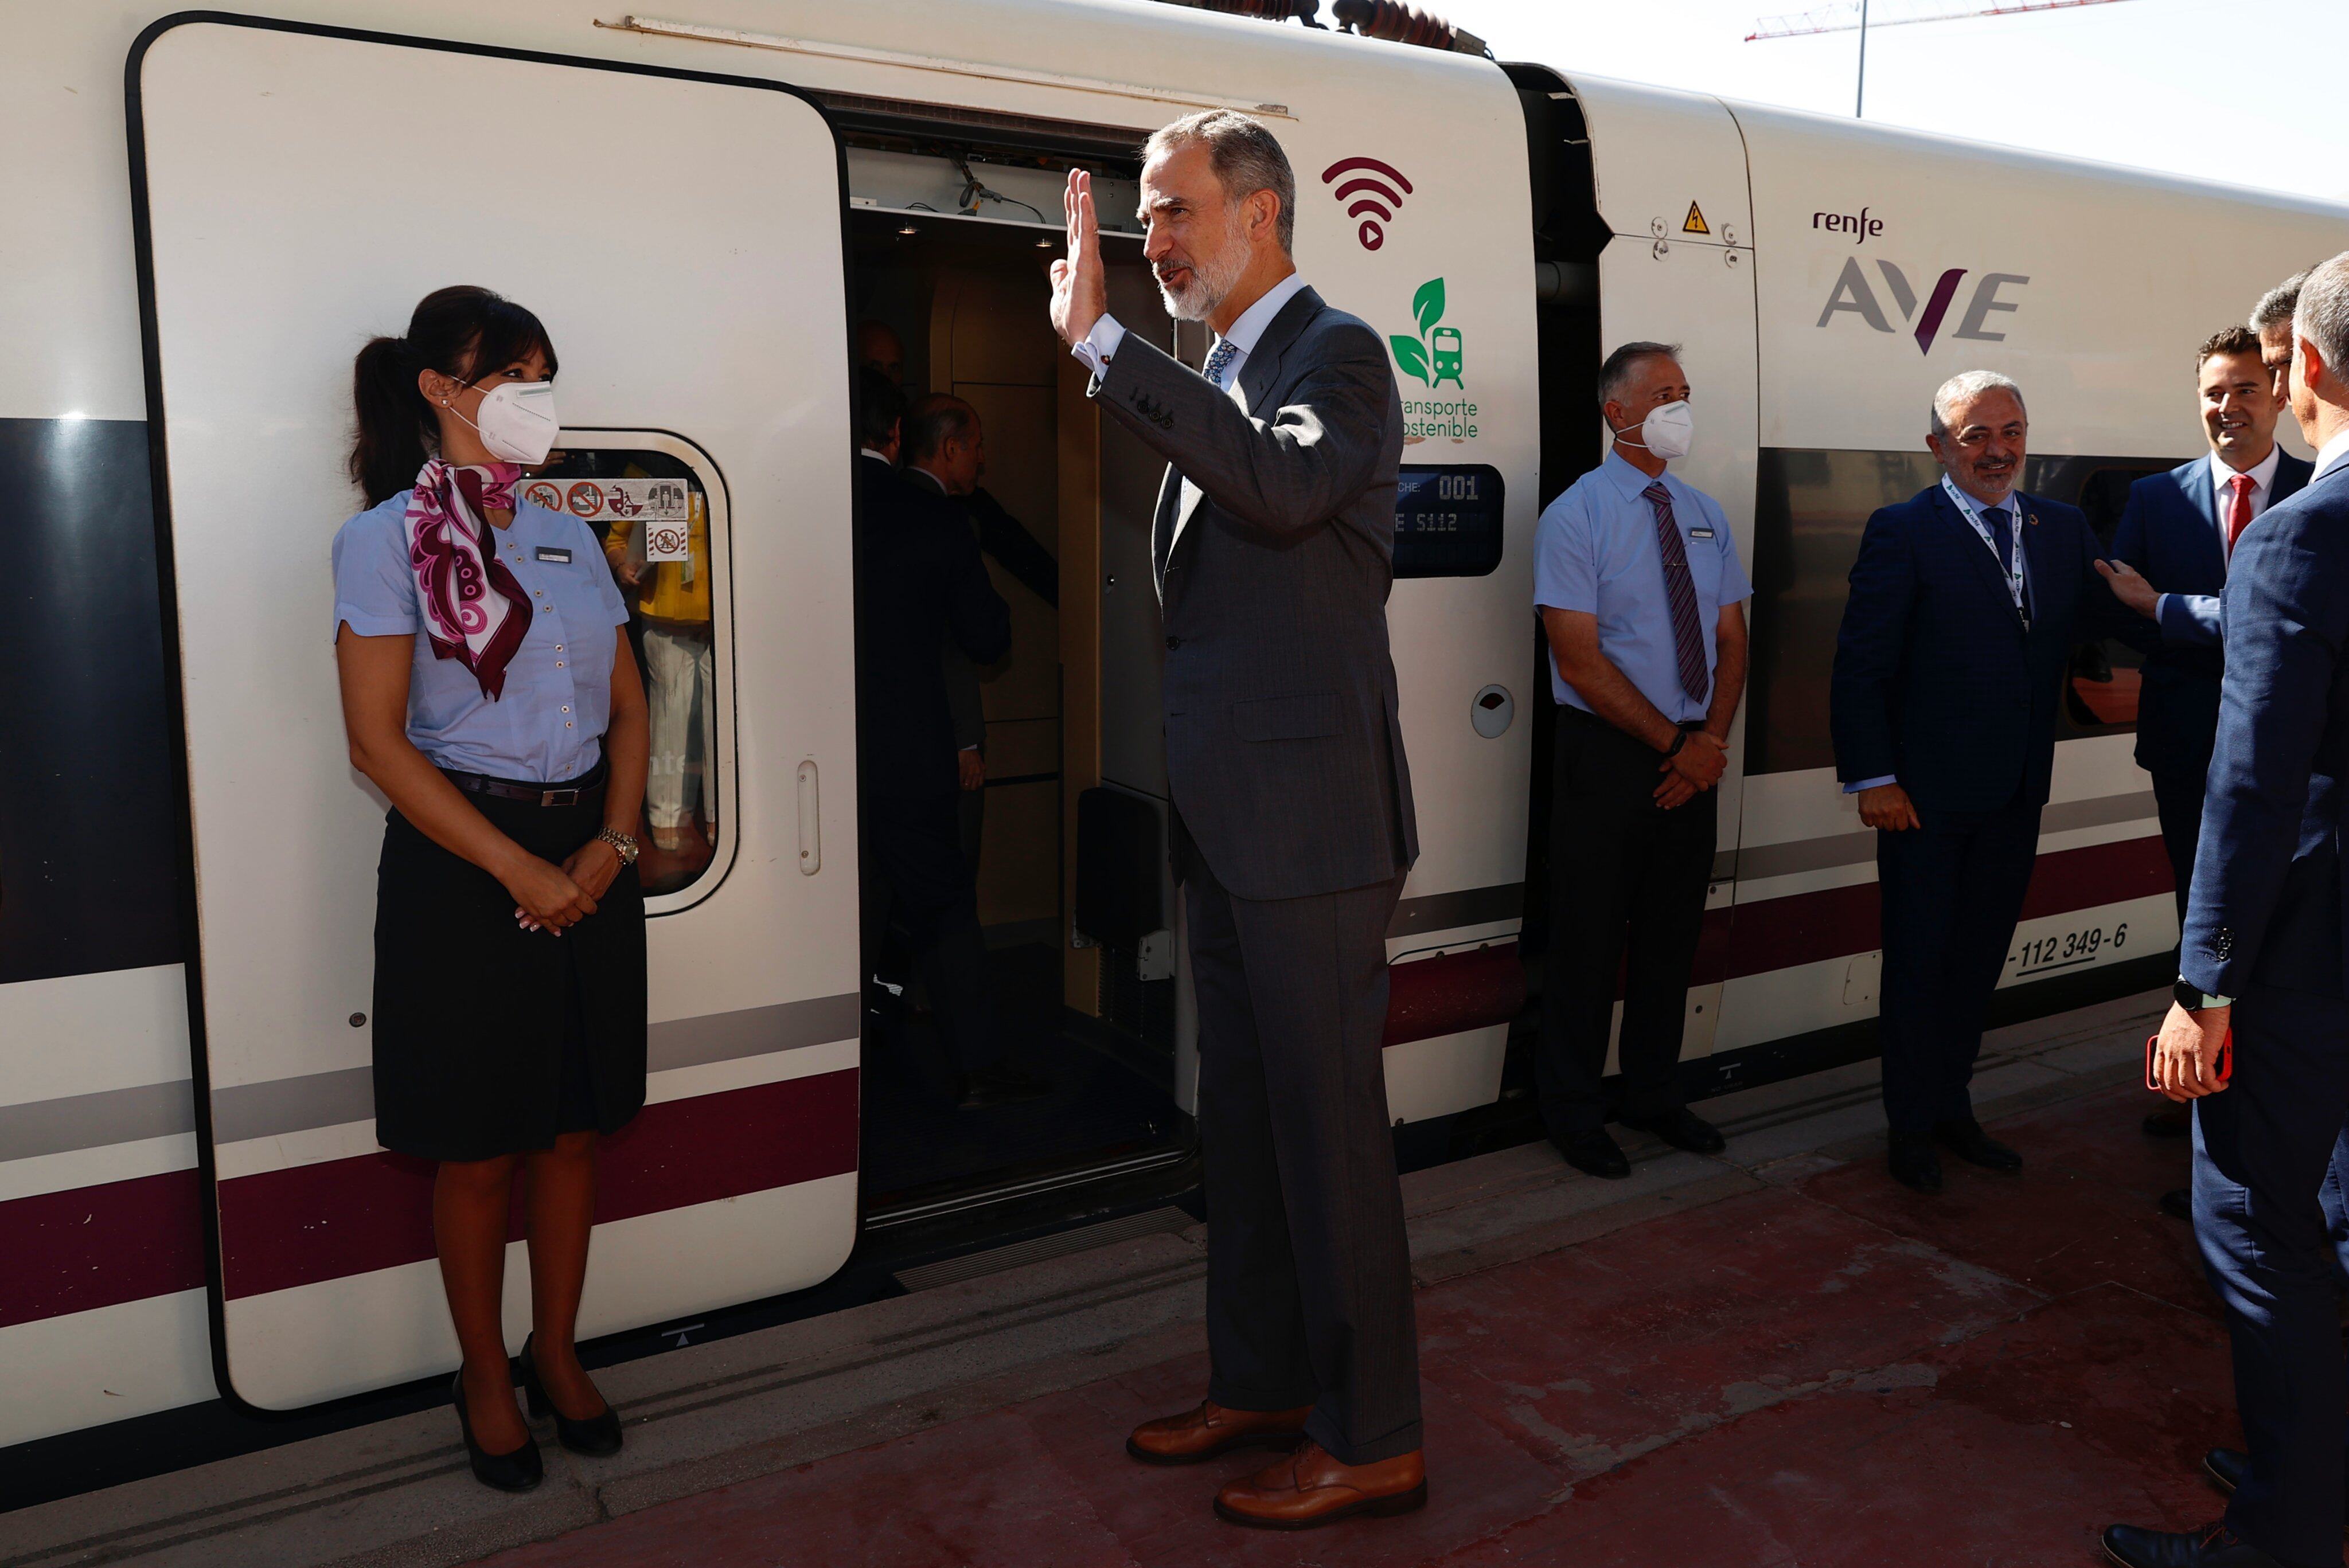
x: 620, y: 841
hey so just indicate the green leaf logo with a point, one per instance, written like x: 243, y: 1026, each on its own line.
x: 1409, y: 351
x: 1427, y: 305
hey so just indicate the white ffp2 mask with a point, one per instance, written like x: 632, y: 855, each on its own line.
x: 517, y: 422
x: 1666, y: 431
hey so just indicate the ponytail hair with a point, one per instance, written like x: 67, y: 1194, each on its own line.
x: 460, y: 332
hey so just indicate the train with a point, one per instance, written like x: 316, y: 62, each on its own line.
x: 217, y: 208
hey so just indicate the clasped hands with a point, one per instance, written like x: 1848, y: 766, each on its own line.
x: 548, y: 897
x: 1695, y: 768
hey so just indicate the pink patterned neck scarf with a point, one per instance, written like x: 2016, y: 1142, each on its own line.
x: 474, y: 610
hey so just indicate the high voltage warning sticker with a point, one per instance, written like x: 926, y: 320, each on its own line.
x: 1695, y: 222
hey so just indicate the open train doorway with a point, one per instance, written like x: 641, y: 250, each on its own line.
x: 1066, y: 823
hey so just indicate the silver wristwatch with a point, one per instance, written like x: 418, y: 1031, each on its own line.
x: 620, y: 841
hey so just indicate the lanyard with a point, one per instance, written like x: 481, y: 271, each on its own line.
x: 2013, y: 575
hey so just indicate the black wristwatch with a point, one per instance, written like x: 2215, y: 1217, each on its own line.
x: 2195, y: 999
x: 1680, y: 738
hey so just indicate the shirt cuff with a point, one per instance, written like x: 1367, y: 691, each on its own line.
x: 1870, y: 784
x: 1100, y: 345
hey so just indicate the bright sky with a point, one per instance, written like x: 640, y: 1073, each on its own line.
x: 2203, y: 88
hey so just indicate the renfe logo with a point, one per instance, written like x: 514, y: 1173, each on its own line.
x: 1853, y: 293
x: 1374, y: 201
x: 1866, y: 227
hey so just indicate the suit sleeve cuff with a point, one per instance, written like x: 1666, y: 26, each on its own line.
x: 1870, y: 784
x: 1100, y: 345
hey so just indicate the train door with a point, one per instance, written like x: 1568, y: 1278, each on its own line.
x: 297, y: 189
x: 1673, y: 190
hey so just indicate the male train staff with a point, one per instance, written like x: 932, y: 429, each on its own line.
x: 1948, y: 666
x: 1273, y: 551
x: 945, y: 449
x: 920, y: 584
x: 2180, y: 530
x: 2264, y: 955
x: 1641, y: 594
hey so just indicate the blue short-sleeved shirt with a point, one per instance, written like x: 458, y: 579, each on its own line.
x: 1596, y: 553
x: 548, y: 725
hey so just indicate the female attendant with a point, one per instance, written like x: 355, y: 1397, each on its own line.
x: 487, y: 695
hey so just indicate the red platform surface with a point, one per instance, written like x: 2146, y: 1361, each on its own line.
x: 1839, y: 1373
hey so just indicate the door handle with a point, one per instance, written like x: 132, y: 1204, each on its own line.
x: 810, y: 817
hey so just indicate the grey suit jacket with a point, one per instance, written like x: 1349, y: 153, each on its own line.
x: 1274, y: 552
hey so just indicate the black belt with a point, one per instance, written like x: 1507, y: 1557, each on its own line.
x: 569, y: 794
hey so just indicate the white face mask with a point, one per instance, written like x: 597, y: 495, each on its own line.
x: 516, y: 421
x: 1669, y: 431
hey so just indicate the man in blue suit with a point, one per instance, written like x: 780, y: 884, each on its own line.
x: 2264, y: 957
x: 2179, y: 531
x: 1965, y: 604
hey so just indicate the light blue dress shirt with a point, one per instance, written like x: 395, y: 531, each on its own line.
x: 1595, y: 552
x: 1099, y: 346
x: 548, y: 725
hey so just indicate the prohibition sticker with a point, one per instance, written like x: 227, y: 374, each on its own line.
x: 1694, y: 223
x: 661, y: 508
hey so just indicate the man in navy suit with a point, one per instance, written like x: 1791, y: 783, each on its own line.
x: 2264, y: 957
x: 1965, y: 604
x: 2180, y: 530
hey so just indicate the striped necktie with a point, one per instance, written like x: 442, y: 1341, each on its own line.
x: 1680, y: 593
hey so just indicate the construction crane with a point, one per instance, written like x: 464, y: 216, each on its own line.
x: 1854, y: 15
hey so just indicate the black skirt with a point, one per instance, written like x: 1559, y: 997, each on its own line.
x: 491, y: 1039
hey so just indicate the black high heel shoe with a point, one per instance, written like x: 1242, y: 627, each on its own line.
x: 597, y: 1437
x: 516, y: 1471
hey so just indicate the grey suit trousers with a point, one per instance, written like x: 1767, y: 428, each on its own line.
x: 1308, y: 1273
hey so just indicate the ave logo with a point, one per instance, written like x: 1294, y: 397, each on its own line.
x: 1854, y: 294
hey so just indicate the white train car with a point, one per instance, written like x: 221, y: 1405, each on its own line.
x: 215, y: 210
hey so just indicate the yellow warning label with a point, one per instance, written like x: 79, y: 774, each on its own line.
x: 1696, y: 224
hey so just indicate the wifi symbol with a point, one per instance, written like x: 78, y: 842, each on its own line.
x: 1377, y: 200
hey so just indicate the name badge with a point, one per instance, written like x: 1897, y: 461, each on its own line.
x: 560, y: 557
x: 1700, y: 533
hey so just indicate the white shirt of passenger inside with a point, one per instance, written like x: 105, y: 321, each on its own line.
x: 1099, y: 346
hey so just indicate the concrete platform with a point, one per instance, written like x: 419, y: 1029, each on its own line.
x: 1773, y: 1357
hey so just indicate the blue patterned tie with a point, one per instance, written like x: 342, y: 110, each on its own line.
x: 1226, y: 351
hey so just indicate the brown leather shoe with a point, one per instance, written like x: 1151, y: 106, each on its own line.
x: 1213, y: 1429
x: 1309, y: 1487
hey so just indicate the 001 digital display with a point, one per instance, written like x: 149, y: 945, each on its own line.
x: 1447, y: 521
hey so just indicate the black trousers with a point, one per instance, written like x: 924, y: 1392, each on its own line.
x: 912, y: 861
x: 2177, y: 802
x: 2270, y: 1161
x: 1952, y: 890
x: 1624, y: 874
x: 1308, y: 1274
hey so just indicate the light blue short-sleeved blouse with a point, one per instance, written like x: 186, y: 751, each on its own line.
x: 548, y: 725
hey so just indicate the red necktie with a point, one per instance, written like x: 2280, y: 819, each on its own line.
x: 2239, y: 509
x: 1679, y: 596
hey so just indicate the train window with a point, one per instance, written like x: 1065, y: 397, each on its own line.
x: 657, y: 506
x: 1447, y: 521
x: 1810, y: 509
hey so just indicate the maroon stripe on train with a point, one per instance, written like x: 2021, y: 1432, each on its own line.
x: 89, y: 1247
x: 342, y: 1217
x: 1809, y: 927
x: 1444, y: 996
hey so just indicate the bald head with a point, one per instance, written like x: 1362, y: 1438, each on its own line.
x: 944, y: 439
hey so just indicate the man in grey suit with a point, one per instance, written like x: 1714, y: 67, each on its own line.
x: 1273, y: 551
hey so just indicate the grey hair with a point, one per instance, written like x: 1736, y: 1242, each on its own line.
x: 1971, y: 384
x: 2276, y: 306
x: 1246, y: 157
x: 2323, y: 315
x: 1624, y: 360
